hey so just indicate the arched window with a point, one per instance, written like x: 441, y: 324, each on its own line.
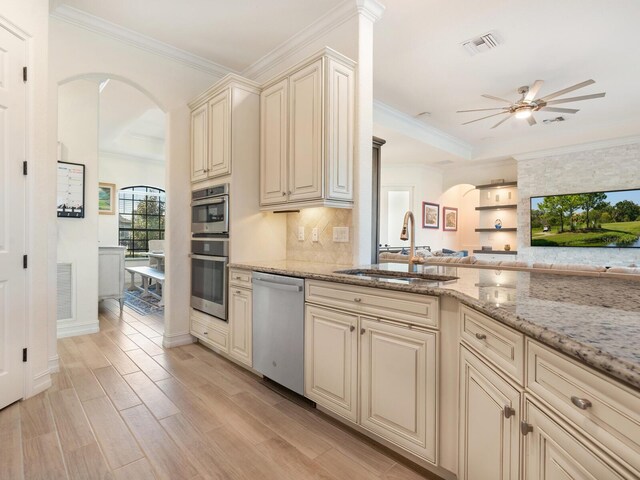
x: 141, y: 218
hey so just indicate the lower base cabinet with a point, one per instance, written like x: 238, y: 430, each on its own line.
x: 240, y: 325
x: 554, y: 452
x: 489, y: 437
x: 398, y: 366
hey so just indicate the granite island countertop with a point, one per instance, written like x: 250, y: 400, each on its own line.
x: 592, y: 319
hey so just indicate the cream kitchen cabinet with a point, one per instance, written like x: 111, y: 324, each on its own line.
x: 331, y: 360
x: 240, y: 324
x: 221, y: 121
x: 489, y: 437
x: 399, y: 367
x: 307, y: 135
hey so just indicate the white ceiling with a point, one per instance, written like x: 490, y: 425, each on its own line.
x: 419, y: 64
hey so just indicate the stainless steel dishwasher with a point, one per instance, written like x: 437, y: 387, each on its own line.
x: 278, y: 329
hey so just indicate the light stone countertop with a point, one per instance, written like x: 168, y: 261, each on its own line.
x: 592, y: 319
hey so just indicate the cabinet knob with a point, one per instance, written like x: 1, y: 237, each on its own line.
x: 481, y: 336
x: 508, y: 411
x: 284, y: 194
x: 357, y: 299
x: 205, y: 333
x: 238, y: 292
x: 525, y: 428
x: 352, y: 328
x: 362, y: 331
x: 581, y: 403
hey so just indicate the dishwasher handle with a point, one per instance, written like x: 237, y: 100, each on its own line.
x: 279, y: 286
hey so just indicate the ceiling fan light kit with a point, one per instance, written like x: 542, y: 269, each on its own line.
x: 524, y: 108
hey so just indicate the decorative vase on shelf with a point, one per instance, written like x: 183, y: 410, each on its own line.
x: 507, y: 247
x: 498, y: 224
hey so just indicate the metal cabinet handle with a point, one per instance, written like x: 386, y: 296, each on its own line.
x: 481, y: 336
x: 238, y: 292
x: 352, y: 328
x: 362, y: 331
x: 581, y: 403
x: 357, y: 299
x: 237, y: 277
x: 284, y: 194
x: 508, y: 411
x: 289, y: 192
x: 525, y: 428
x: 205, y: 333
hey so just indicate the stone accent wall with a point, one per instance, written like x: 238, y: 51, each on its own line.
x: 613, y: 168
x: 325, y: 250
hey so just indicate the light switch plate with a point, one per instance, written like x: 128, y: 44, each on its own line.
x: 314, y: 234
x: 301, y: 234
x: 341, y: 234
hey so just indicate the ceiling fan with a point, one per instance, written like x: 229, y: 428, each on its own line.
x: 528, y: 104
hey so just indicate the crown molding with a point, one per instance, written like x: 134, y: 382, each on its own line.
x: 103, y: 27
x: 114, y: 154
x: 389, y: 117
x: 335, y: 17
x: 582, y: 147
x: 371, y: 9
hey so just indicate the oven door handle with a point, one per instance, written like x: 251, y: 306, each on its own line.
x: 279, y: 286
x: 208, y: 257
x: 208, y: 201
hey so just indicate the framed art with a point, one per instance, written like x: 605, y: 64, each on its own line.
x: 449, y: 219
x: 70, y: 196
x: 430, y: 215
x: 106, y: 198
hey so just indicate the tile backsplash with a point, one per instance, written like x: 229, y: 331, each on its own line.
x: 325, y: 250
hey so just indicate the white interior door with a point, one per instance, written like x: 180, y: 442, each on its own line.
x: 12, y: 216
x: 395, y: 201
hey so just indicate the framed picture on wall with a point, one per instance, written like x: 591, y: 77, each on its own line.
x: 70, y: 197
x: 449, y: 219
x: 430, y: 215
x: 106, y: 198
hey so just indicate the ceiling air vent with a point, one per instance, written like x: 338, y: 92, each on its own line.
x: 553, y: 120
x: 483, y: 43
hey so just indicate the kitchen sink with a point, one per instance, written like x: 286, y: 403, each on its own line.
x: 395, y: 275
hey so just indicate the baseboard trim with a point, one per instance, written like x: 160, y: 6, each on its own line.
x: 170, y: 341
x: 54, y: 364
x: 75, y: 330
x: 40, y: 383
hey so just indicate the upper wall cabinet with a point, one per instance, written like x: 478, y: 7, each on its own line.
x: 216, y: 120
x: 307, y: 135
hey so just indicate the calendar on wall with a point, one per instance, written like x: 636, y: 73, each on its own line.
x: 70, y: 200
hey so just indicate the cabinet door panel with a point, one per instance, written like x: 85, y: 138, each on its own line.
x: 399, y: 387
x: 554, y: 453
x: 339, y: 130
x: 273, y: 144
x: 489, y: 442
x: 220, y: 135
x: 305, y: 133
x: 331, y: 359
x: 199, y: 143
x: 240, y: 325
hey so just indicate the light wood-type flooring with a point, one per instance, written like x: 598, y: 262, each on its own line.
x: 124, y: 407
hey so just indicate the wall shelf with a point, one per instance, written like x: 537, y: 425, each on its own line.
x: 498, y: 207
x: 496, y: 185
x: 503, y: 229
x: 497, y: 252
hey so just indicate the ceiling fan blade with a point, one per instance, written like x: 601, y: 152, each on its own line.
x: 496, y: 98
x: 576, y: 99
x: 532, y: 121
x: 483, y: 109
x: 502, y: 121
x: 533, y: 91
x: 567, y: 90
x: 478, y: 119
x: 560, y: 110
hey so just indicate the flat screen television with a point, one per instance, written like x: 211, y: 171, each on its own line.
x: 595, y: 219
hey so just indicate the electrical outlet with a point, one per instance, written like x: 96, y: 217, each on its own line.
x: 301, y: 234
x: 314, y: 234
x: 341, y: 234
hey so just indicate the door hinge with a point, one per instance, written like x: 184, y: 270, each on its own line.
x: 24, y: 74
x: 24, y: 167
x: 24, y: 354
x: 24, y: 261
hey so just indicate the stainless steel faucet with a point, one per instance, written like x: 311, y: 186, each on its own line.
x: 413, y: 260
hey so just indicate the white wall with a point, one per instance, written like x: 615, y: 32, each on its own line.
x: 77, y: 245
x: 124, y: 172
x: 76, y: 52
x: 589, y: 170
x: 29, y: 19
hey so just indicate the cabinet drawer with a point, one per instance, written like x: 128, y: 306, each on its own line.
x: 240, y: 278
x: 209, y: 333
x: 498, y: 343
x: 375, y: 302
x: 612, y: 414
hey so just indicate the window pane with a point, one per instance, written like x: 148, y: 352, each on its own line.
x: 142, y: 209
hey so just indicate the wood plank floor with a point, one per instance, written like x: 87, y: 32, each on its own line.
x: 124, y: 407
